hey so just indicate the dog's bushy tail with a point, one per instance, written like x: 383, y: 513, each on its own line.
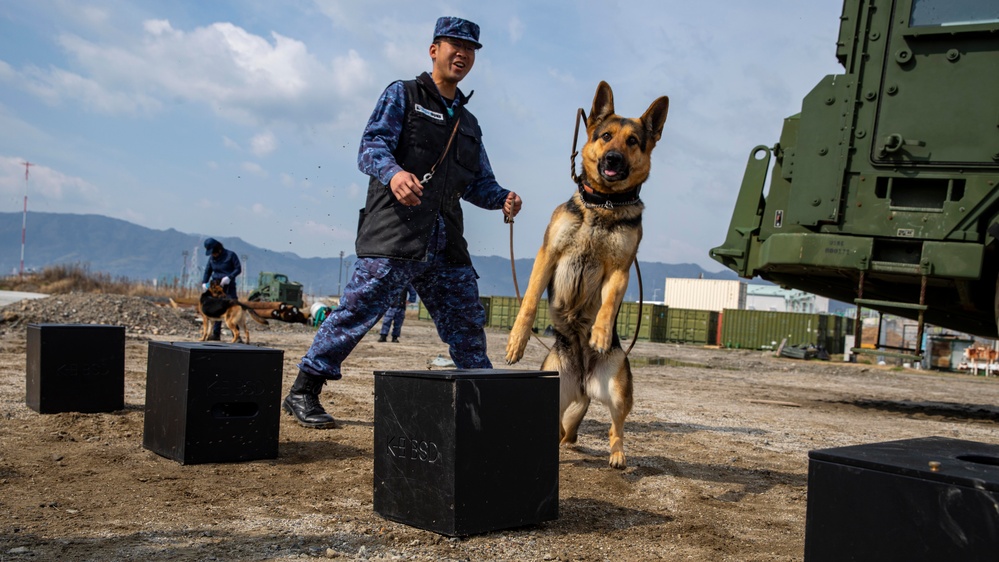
x: 253, y: 314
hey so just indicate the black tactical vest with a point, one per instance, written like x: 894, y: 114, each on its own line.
x: 388, y: 228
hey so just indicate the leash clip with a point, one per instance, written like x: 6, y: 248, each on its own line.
x: 426, y: 178
x: 608, y: 205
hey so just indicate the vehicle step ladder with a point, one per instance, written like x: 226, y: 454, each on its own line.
x: 899, y: 353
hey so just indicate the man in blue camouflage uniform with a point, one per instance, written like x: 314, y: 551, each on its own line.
x: 396, y: 315
x: 223, y: 266
x: 411, y: 228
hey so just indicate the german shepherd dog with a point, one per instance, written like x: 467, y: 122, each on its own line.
x: 215, y: 306
x: 584, y: 263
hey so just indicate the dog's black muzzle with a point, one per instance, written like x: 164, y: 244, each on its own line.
x: 613, y: 166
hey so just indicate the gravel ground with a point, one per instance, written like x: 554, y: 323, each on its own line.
x: 717, y: 449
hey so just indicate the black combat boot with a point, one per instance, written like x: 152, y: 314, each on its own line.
x: 303, y: 402
x: 395, y: 339
x: 382, y: 337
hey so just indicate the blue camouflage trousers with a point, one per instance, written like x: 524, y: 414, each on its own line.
x: 394, y: 317
x: 450, y: 293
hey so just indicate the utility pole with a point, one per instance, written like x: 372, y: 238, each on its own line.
x: 24, y: 218
x: 183, y: 271
x: 339, y: 280
x: 246, y: 272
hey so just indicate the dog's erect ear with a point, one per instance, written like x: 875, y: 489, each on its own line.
x: 654, y: 118
x: 603, y: 104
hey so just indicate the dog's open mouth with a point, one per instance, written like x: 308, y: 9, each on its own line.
x: 613, y: 167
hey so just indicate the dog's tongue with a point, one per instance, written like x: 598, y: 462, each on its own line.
x: 611, y: 173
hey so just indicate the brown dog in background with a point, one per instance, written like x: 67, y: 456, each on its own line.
x: 215, y: 306
x: 584, y: 262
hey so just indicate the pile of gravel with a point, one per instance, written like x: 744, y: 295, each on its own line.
x: 139, y: 316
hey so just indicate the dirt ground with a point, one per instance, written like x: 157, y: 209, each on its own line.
x: 717, y: 449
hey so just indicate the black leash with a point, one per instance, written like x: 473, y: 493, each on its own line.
x: 430, y: 174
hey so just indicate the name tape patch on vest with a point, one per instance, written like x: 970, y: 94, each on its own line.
x: 429, y: 113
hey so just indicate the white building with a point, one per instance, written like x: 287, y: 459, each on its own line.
x: 772, y: 297
x: 705, y: 294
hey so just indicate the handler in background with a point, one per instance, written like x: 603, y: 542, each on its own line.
x: 223, y: 266
x: 411, y: 228
x: 396, y: 315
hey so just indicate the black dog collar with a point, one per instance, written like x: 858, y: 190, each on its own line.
x: 595, y: 199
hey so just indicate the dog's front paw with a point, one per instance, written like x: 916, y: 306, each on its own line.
x: 600, y: 340
x: 515, y: 346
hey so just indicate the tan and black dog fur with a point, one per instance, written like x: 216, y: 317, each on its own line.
x: 233, y: 313
x: 584, y: 263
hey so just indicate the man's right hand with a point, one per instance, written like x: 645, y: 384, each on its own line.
x: 406, y: 188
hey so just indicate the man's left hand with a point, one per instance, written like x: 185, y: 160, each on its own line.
x: 225, y: 281
x: 512, y: 205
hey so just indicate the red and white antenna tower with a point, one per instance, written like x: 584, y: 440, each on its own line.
x: 24, y: 219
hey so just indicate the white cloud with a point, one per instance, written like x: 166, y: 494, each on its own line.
x: 253, y: 168
x: 515, y: 28
x: 157, y: 27
x: 56, y: 86
x: 93, y: 15
x: 243, y: 77
x: 561, y: 76
x: 350, y: 74
x: 263, y: 144
x: 45, y: 186
x: 403, y: 58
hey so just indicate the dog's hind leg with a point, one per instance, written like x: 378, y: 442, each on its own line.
x: 573, y: 402
x: 571, y: 416
x: 619, y: 401
x: 234, y: 328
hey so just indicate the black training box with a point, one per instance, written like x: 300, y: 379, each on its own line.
x: 885, y: 501
x: 212, y: 402
x: 462, y: 452
x: 75, y: 368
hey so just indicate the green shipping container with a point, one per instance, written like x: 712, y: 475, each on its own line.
x: 686, y: 325
x: 543, y: 319
x: 765, y: 329
x: 503, y: 313
x: 653, y: 324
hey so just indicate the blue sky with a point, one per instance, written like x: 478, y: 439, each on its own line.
x: 242, y: 117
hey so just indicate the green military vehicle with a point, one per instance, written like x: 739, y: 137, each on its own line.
x: 275, y: 287
x: 883, y: 191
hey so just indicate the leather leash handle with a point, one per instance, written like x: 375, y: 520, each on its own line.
x: 641, y: 303
x: 580, y: 116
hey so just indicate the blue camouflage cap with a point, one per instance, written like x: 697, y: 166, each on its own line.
x: 210, y: 244
x: 458, y: 28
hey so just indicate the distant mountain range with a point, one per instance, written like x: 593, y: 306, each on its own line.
x: 123, y: 249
